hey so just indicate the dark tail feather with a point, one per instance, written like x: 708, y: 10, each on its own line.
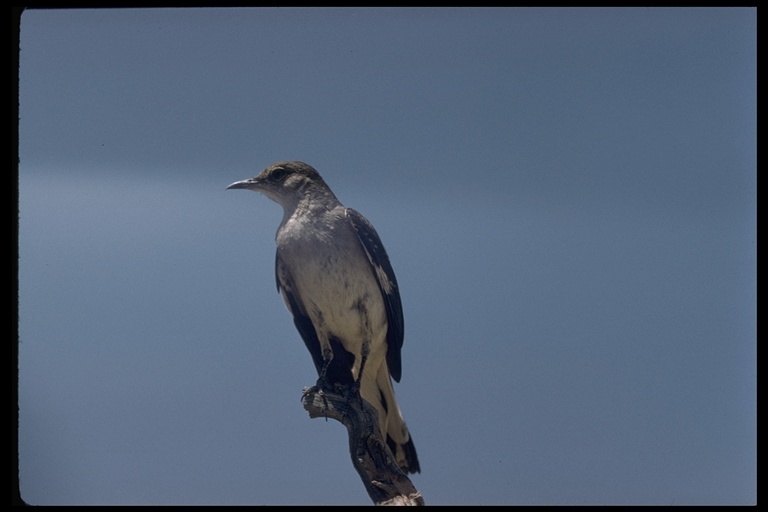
x: 411, y: 462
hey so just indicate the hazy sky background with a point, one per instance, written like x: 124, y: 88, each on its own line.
x: 568, y: 198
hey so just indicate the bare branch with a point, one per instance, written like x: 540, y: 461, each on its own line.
x: 383, y: 479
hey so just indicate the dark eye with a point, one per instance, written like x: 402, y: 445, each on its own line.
x: 278, y: 174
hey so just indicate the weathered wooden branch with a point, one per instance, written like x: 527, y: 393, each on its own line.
x: 382, y: 477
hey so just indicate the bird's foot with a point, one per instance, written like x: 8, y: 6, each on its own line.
x: 324, y: 385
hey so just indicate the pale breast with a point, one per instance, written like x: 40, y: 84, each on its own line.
x: 334, y: 281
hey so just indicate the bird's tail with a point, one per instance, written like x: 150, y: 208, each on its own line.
x: 391, y: 422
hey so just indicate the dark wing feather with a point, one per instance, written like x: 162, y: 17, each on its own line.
x: 385, y: 276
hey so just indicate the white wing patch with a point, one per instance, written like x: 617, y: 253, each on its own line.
x: 386, y: 284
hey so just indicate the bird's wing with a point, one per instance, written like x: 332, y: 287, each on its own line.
x: 385, y: 276
x: 300, y: 318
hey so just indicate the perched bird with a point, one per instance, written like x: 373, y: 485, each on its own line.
x: 337, y: 282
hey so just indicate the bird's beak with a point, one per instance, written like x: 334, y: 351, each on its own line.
x: 252, y: 184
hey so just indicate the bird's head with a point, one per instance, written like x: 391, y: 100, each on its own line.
x: 285, y: 182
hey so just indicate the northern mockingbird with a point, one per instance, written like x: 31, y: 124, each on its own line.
x: 337, y: 282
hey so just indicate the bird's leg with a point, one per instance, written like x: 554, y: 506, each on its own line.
x: 363, y: 358
x: 322, y: 381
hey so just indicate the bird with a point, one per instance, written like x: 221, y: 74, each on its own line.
x: 337, y: 282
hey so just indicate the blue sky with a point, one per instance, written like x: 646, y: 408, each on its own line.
x: 568, y: 198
